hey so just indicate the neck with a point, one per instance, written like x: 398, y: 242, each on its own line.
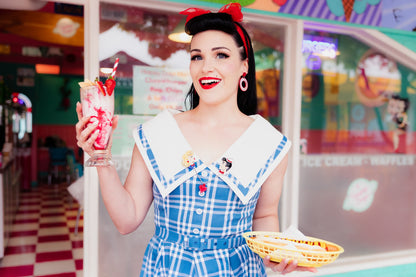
x: 216, y: 116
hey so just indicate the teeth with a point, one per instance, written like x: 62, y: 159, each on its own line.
x: 208, y: 82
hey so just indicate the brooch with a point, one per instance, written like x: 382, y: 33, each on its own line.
x: 189, y: 160
x: 202, y: 188
x: 225, y: 165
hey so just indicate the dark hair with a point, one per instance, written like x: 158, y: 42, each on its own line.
x: 246, y: 100
x: 228, y: 164
x: 403, y: 99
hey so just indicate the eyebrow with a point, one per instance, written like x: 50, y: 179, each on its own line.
x: 212, y: 49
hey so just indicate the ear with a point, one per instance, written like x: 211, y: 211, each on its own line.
x: 244, y: 66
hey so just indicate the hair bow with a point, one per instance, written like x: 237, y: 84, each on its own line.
x: 233, y: 9
x: 193, y: 12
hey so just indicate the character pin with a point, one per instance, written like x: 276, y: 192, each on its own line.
x: 225, y: 165
x: 189, y: 160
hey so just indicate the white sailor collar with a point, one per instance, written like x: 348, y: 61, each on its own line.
x: 254, y: 155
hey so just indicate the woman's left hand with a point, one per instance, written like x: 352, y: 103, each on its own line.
x: 286, y: 266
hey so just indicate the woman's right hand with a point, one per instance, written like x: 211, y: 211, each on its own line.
x: 86, y: 136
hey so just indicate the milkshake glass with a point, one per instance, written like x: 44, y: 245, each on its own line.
x: 99, y: 106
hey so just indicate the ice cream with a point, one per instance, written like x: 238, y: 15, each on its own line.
x: 348, y: 6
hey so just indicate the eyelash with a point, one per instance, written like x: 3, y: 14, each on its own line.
x: 195, y: 57
x: 225, y: 56
x: 198, y: 57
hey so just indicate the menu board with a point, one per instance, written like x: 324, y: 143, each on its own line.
x: 156, y: 89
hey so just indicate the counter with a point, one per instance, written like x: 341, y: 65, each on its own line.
x: 9, y: 199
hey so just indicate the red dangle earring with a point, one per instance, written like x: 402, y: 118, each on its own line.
x: 243, y: 82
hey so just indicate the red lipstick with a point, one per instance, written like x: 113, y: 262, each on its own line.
x: 209, y: 82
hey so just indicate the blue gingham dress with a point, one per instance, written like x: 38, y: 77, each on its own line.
x: 198, y: 233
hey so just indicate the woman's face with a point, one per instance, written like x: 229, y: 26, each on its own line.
x: 395, y: 106
x: 216, y: 66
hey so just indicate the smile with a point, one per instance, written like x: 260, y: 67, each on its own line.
x: 209, y: 82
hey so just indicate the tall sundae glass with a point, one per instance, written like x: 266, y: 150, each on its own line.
x: 100, y: 108
x: 97, y: 100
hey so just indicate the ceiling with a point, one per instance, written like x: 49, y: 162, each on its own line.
x: 52, y: 34
x: 23, y: 5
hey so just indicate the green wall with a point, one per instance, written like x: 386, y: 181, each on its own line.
x: 9, y: 73
x: 55, y: 100
x: 46, y: 92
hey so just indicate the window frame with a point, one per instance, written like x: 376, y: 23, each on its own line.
x: 291, y: 115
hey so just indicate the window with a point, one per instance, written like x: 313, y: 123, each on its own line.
x: 357, y: 146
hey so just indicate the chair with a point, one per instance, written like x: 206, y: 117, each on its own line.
x: 76, y: 189
x: 74, y: 169
x: 57, y: 163
x: 43, y: 164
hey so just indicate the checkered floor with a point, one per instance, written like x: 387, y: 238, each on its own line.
x: 42, y: 241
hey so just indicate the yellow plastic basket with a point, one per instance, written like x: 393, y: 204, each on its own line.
x: 307, y: 258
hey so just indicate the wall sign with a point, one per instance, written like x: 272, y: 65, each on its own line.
x: 156, y: 89
x: 66, y: 27
x: 360, y: 195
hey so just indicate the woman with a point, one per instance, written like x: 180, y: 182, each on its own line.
x: 202, y: 207
x: 397, y: 108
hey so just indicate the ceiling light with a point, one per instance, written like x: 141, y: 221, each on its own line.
x: 178, y: 34
x: 47, y: 69
x: 106, y: 70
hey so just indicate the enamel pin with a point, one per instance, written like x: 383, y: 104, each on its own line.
x: 188, y: 159
x: 225, y: 165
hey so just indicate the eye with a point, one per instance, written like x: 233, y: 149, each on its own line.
x: 222, y: 56
x: 196, y: 58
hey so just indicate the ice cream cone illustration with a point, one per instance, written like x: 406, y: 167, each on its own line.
x: 348, y: 6
x: 267, y: 5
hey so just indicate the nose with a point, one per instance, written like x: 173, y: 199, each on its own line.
x: 208, y: 65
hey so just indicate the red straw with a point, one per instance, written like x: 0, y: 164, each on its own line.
x: 115, y: 68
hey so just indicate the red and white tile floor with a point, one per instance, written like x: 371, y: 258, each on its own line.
x: 42, y: 241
